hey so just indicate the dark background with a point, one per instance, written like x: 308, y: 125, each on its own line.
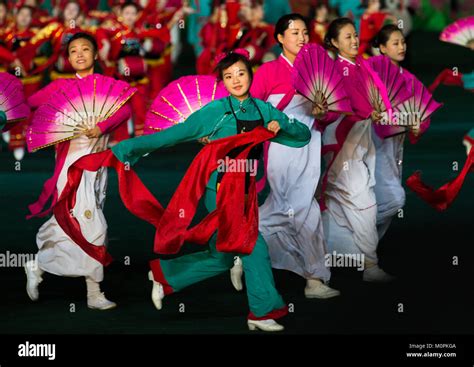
x: 418, y: 249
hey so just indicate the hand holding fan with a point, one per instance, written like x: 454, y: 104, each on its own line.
x: 461, y: 32
x: 77, y: 106
x: 316, y: 77
x: 180, y: 99
x: 12, y: 100
x: 395, y: 85
x: 419, y: 107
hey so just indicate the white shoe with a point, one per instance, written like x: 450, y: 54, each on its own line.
x: 19, y: 153
x: 376, y: 275
x: 317, y: 289
x: 265, y: 325
x: 6, y: 136
x: 157, y: 293
x: 99, y: 302
x: 236, y: 274
x: 33, y: 279
x: 468, y: 146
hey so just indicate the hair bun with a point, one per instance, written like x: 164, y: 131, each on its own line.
x: 240, y: 51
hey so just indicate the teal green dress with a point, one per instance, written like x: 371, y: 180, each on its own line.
x: 3, y: 119
x: 216, y: 121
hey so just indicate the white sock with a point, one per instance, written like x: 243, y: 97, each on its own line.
x: 93, y: 288
x: 34, y: 266
x: 313, y: 283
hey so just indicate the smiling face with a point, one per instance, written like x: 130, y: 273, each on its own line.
x: 236, y: 80
x: 347, y: 42
x: 294, y: 38
x: 395, y: 48
x: 82, y: 56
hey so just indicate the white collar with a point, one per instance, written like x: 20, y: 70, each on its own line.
x: 286, y: 59
x: 78, y: 76
x: 349, y: 61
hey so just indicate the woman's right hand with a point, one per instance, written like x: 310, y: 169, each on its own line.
x: 376, y: 116
x: 204, y: 141
x: 319, y: 112
x: 273, y: 126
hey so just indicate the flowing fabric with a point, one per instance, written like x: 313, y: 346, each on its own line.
x: 443, y: 197
x: 235, y: 218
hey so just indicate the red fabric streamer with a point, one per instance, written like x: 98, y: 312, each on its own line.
x: 443, y: 197
x: 235, y: 219
x: 446, y: 77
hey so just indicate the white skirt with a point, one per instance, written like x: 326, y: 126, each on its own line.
x: 290, y: 217
x: 351, y: 214
x: 389, y: 191
x: 58, y: 254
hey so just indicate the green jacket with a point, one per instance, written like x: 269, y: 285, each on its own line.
x: 216, y: 121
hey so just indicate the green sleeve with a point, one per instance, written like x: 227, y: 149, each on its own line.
x: 196, y: 126
x: 292, y: 132
x: 3, y: 119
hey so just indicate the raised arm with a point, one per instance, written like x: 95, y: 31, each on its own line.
x: 196, y: 126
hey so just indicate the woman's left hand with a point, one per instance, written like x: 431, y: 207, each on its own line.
x: 204, y: 141
x: 273, y: 126
x: 319, y: 112
x: 415, y: 130
x: 93, y: 133
x: 376, y: 116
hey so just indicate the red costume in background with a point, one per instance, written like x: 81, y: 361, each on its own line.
x: 370, y: 25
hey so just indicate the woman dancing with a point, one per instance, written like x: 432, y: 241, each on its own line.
x: 290, y: 217
x: 222, y: 118
x: 351, y: 208
x: 58, y: 254
x: 389, y: 191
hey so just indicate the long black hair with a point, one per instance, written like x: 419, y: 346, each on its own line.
x: 333, y: 32
x: 285, y: 22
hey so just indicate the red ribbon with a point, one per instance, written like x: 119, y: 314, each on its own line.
x: 235, y: 218
x: 443, y: 197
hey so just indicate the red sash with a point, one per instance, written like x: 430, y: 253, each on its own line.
x: 235, y: 218
x: 443, y: 197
